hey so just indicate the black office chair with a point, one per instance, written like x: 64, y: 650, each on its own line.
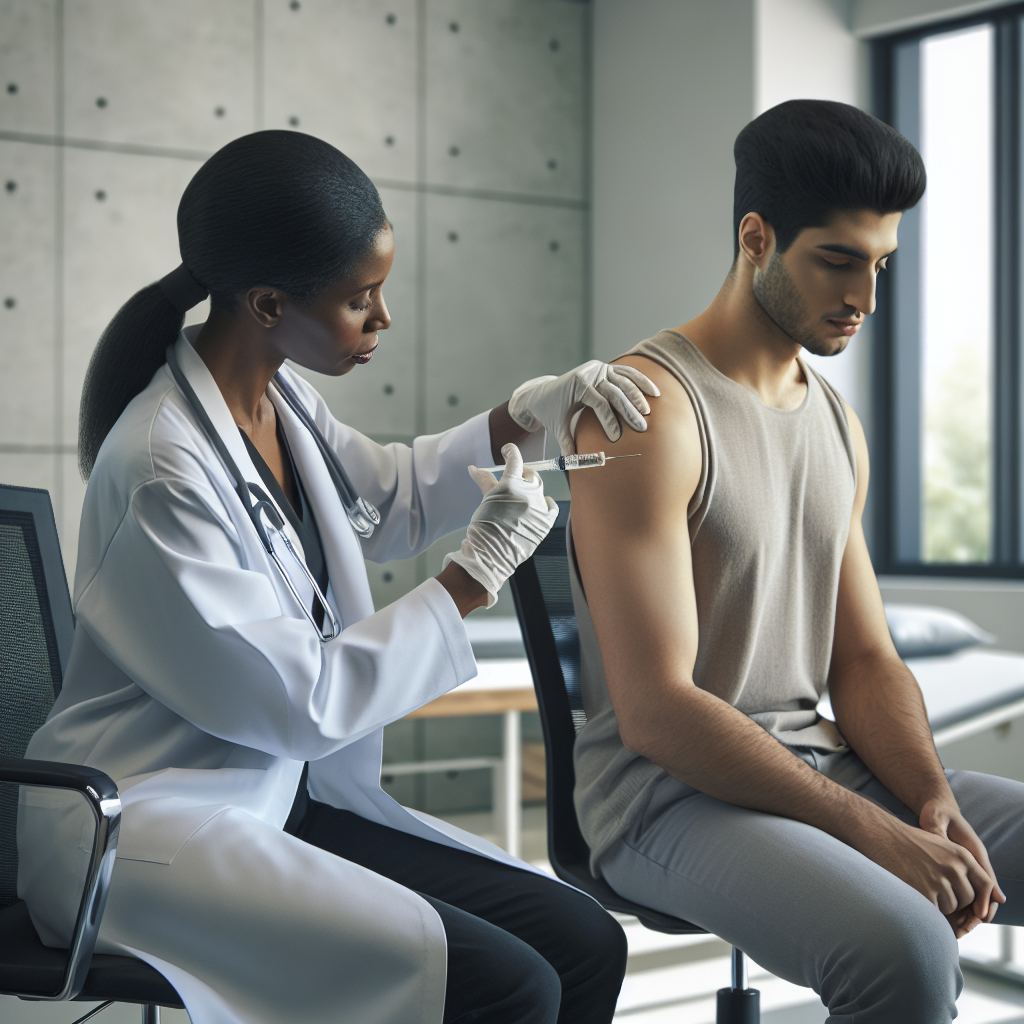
x: 36, y: 628
x: 543, y: 600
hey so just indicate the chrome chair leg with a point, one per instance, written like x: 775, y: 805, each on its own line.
x: 739, y: 969
x: 738, y: 1004
x: 150, y: 1014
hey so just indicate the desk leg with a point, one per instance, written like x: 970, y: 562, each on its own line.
x: 512, y: 772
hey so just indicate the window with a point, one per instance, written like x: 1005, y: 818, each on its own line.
x: 948, y: 357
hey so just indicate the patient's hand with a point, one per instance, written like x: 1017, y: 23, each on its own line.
x: 952, y: 871
x: 944, y: 819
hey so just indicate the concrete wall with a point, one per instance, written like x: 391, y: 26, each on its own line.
x: 470, y: 118
x: 672, y: 85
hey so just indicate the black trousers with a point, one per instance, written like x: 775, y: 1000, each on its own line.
x: 522, y: 948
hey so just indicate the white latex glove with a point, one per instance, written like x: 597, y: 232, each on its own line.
x: 552, y: 402
x: 509, y: 523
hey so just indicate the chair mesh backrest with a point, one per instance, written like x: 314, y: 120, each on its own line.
x: 30, y: 667
x: 552, y: 568
x: 543, y: 599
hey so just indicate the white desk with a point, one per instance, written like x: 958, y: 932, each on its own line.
x: 503, y: 687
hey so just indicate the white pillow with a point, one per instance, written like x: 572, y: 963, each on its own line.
x: 921, y: 631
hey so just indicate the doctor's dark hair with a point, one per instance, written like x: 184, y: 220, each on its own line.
x: 804, y: 161
x: 273, y: 208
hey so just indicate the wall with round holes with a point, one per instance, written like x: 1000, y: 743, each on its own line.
x: 469, y: 116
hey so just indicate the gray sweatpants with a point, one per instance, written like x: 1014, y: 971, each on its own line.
x: 808, y: 907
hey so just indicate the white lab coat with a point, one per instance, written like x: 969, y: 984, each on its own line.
x: 199, y: 686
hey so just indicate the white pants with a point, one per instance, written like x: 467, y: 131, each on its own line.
x: 808, y: 907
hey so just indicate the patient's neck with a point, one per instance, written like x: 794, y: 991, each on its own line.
x: 738, y: 338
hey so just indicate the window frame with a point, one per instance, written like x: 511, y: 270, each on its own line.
x: 896, y: 362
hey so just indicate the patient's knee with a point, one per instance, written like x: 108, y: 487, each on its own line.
x: 904, y: 966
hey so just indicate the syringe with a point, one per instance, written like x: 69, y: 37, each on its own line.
x: 566, y: 462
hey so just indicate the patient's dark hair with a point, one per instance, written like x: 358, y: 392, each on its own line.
x: 800, y: 163
x: 273, y: 208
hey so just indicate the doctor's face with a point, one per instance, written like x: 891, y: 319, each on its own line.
x: 339, y: 331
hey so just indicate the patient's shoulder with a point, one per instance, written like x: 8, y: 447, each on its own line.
x: 669, y: 450
x: 668, y: 383
x: 672, y: 420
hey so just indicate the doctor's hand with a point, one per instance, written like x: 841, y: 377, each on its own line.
x: 513, y: 518
x: 551, y: 402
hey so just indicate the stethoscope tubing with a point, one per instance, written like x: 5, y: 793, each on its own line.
x: 325, y: 638
x: 247, y: 491
x: 363, y: 516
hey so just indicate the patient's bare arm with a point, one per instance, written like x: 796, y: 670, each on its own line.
x: 633, y: 545
x: 876, y: 700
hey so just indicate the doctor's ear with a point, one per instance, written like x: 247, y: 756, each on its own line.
x: 264, y: 304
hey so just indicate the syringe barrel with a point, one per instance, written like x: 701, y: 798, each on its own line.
x: 589, y: 461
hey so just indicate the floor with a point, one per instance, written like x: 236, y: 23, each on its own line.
x: 670, y: 979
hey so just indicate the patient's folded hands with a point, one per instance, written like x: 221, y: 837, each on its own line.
x: 943, y: 818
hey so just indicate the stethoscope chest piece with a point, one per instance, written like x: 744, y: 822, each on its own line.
x: 363, y: 517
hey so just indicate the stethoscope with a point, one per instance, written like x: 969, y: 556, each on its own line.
x: 362, y: 516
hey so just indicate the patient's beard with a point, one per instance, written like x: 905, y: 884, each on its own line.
x: 780, y: 299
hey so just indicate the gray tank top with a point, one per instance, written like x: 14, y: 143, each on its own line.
x: 768, y: 526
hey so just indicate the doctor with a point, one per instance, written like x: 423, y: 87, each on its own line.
x: 226, y: 637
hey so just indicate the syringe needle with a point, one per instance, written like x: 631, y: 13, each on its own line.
x: 635, y: 455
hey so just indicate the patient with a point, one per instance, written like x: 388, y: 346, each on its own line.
x: 839, y: 856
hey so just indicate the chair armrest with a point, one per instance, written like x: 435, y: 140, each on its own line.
x: 101, y: 795
x: 57, y: 775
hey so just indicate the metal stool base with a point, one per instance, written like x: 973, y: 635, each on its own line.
x: 738, y: 1006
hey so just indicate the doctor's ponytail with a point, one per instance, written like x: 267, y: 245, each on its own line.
x: 273, y: 208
